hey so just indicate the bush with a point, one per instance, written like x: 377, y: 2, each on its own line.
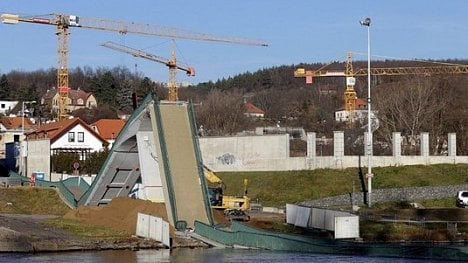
x: 63, y: 162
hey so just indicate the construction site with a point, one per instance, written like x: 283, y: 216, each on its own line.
x: 159, y: 181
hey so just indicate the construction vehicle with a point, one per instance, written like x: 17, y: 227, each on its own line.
x: 234, y: 207
x: 64, y: 22
x: 350, y: 95
x: 170, y: 63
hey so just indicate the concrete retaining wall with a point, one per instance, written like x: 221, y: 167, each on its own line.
x: 271, y: 153
x: 38, y: 152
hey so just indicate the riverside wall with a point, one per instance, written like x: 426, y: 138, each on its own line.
x: 271, y: 153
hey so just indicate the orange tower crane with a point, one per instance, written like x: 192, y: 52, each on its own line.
x: 64, y: 22
x: 350, y: 94
x: 170, y: 63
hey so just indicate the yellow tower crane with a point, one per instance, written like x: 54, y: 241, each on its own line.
x: 64, y: 22
x: 170, y: 63
x: 350, y: 94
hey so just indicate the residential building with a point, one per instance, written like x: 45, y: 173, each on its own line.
x: 70, y: 135
x: 253, y: 111
x: 360, y: 114
x: 77, y: 99
x: 7, y: 106
x: 109, y: 129
x: 11, y: 130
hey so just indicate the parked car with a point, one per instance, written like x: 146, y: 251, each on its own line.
x: 462, y: 198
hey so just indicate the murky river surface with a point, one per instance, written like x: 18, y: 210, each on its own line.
x: 211, y: 255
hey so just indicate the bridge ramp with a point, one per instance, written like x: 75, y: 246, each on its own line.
x: 180, y: 164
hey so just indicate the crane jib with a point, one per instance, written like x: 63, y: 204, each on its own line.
x: 41, y: 20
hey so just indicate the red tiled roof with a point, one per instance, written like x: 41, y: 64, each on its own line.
x: 55, y: 130
x: 74, y: 95
x: 109, y: 129
x: 360, y: 102
x: 250, y: 108
x: 12, y: 123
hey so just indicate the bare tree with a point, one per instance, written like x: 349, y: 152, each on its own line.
x: 411, y: 106
x: 222, y: 113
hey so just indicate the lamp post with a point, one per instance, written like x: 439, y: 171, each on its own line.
x: 367, y: 22
x: 22, y: 135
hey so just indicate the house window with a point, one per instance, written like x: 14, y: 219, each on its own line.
x: 71, y: 137
x: 80, y: 102
x: 3, y: 106
x: 80, y: 136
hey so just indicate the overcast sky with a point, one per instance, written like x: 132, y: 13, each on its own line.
x: 296, y: 31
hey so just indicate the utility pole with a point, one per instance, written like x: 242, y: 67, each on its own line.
x: 367, y: 22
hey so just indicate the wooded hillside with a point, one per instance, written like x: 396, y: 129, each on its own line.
x: 409, y: 104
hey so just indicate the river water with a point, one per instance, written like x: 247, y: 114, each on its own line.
x: 186, y: 255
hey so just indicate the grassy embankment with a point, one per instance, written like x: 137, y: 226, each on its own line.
x: 278, y: 188
x: 270, y: 189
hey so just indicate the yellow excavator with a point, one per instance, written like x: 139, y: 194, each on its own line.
x: 234, y: 207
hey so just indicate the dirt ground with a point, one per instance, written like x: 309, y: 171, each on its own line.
x: 28, y: 233
x: 120, y: 214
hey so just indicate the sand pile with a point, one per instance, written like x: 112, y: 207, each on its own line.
x: 120, y: 213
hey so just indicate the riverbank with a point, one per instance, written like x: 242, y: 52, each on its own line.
x: 32, y: 233
x: 42, y: 223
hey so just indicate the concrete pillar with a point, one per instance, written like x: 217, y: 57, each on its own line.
x: 311, y: 144
x: 425, y: 144
x: 452, y: 144
x: 338, y: 144
x: 368, y: 151
x: 259, y: 131
x: 396, y: 144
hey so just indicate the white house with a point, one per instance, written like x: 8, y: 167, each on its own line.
x: 253, y: 111
x: 77, y: 99
x: 6, y: 106
x: 70, y: 135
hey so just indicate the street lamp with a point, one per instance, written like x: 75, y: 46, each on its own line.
x: 22, y: 136
x: 367, y: 22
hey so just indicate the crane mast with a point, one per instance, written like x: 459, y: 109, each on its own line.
x: 62, y: 69
x: 170, y: 63
x: 64, y: 22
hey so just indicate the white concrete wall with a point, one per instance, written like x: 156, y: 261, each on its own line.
x: 244, y: 151
x: 270, y: 153
x: 311, y: 144
x: 38, y: 152
x: 151, y: 187
x: 452, y: 144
